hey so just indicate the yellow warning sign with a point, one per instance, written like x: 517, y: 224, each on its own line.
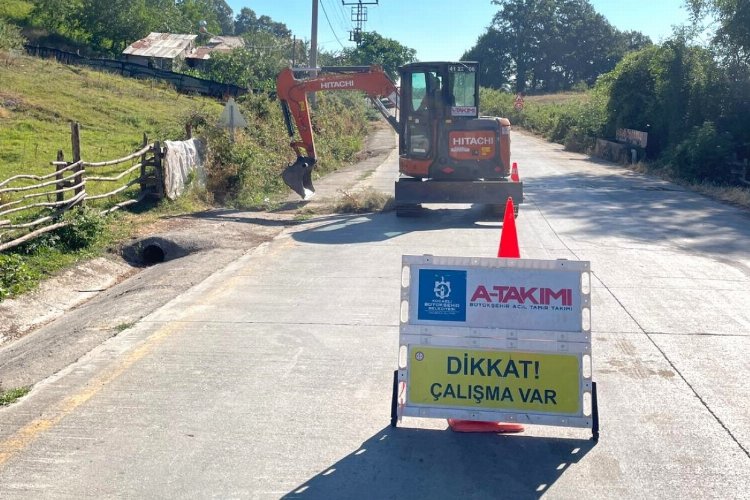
x: 492, y: 380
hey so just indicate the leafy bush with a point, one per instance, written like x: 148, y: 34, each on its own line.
x: 15, y: 275
x: 703, y: 155
x: 84, y: 227
x: 247, y: 172
x: 10, y: 36
x: 664, y: 90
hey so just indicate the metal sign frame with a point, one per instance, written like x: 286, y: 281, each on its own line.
x: 449, y: 324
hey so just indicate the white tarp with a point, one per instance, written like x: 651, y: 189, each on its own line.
x: 183, y: 160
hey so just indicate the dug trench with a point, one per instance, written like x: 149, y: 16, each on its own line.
x: 69, y: 315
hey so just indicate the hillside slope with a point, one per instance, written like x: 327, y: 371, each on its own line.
x: 38, y: 98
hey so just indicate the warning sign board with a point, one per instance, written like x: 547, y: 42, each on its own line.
x: 493, y: 379
x: 497, y: 340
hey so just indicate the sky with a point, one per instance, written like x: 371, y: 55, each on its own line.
x: 445, y: 29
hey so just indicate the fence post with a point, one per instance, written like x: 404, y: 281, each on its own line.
x: 159, y: 166
x: 75, y: 139
x: 143, y: 164
x: 59, y: 175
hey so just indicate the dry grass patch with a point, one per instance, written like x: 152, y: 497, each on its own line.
x: 363, y: 201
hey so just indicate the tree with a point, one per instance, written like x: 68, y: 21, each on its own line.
x: 254, y: 66
x: 550, y: 45
x: 733, y: 18
x: 112, y: 25
x: 56, y: 16
x: 245, y: 21
x: 492, y: 51
x: 376, y: 49
x: 248, y: 22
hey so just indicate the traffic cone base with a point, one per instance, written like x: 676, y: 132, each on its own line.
x: 457, y: 425
x: 508, y: 237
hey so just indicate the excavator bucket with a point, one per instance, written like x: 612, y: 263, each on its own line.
x: 298, y: 176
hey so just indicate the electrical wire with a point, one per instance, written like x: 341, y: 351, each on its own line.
x: 330, y: 26
x: 341, y: 13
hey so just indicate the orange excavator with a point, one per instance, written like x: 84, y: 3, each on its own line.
x: 447, y: 152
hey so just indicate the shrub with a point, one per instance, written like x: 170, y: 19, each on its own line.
x: 15, y: 275
x: 84, y: 227
x: 704, y: 154
x: 10, y: 36
x: 247, y: 171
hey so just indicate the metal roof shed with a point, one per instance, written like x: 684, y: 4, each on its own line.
x: 160, y: 49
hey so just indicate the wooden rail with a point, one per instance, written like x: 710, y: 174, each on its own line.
x: 24, y: 217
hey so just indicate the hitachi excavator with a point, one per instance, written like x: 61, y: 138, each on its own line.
x: 447, y: 152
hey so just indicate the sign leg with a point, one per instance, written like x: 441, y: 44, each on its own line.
x: 594, y: 414
x: 394, y: 400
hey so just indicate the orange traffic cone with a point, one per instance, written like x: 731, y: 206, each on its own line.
x: 509, y: 250
x: 514, y: 173
x: 508, y: 238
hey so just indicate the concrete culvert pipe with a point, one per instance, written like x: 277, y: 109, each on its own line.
x: 152, y: 254
x: 165, y: 247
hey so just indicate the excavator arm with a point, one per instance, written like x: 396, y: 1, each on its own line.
x: 292, y: 94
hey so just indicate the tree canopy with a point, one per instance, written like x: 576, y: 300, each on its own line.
x: 376, y: 49
x: 549, y: 45
x: 733, y: 25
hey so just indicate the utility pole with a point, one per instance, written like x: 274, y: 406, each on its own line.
x: 314, y: 45
x: 359, y: 17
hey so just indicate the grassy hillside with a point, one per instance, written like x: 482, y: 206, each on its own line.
x: 38, y: 99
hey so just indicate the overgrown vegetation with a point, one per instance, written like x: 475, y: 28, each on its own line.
x: 246, y: 173
x: 693, y: 107
x: 10, y: 36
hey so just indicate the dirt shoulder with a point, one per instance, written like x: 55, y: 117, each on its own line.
x: 73, y: 312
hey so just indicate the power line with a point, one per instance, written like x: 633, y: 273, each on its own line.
x: 343, y: 22
x: 322, y: 5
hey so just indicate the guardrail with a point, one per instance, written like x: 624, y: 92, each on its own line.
x: 23, y: 217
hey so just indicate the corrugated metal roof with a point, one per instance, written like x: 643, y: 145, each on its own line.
x: 217, y: 44
x: 161, y: 45
x: 226, y: 42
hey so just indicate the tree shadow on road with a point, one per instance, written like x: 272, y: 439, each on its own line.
x: 420, y: 463
x: 642, y: 209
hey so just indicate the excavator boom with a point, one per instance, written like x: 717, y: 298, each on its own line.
x: 292, y: 94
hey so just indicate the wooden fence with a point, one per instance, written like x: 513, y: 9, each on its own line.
x: 28, y: 210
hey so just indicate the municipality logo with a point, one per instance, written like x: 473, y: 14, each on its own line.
x: 442, y: 295
x: 442, y: 288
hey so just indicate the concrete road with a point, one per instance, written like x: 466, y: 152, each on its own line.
x: 272, y: 377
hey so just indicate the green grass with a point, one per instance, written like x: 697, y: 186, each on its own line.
x: 39, y: 98
x: 11, y: 395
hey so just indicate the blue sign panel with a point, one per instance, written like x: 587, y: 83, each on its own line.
x: 442, y: 295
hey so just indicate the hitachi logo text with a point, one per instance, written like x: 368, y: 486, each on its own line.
x: 472, y: 141
x: 343, y: 84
